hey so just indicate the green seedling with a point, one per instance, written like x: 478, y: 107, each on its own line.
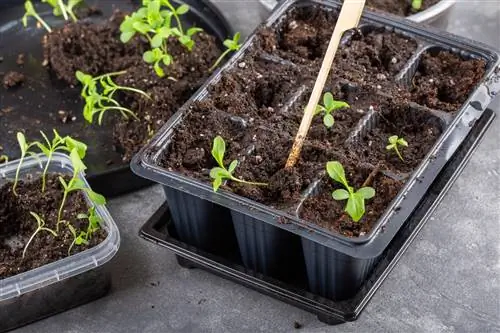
x: 220, y: 173
x: 94, y: 224
x: 416, y: 5
x: 58, y: 143
x: 394, y: 142
x: 25, y: 150
x: 98, y: 93
x: 232, y: 45
x: 329, y: 107
x: 4, y: 159
x: 76, y: 184
x: 355, y: 206
x: 30, y: 11
x: 154, y: 22
x: 41, y: 227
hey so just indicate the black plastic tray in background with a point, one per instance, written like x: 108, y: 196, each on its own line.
x: 35, y: 104
x: 160, y: 230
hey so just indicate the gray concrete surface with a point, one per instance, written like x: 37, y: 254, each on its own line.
x: 448, y: 281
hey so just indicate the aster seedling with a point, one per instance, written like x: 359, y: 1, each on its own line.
x: 221, y: 173
x: 59, y: 8
x: 416, y: 4
x: 76, y: 184
x: 355, y: 206
x: 25, y: 150
x: 41, y: 227
x: 94, y: 225
x: 232, y: 45
x: 394, y: 142
x: 330, y: 105
x: 98, y: 93
x: 154, y: 21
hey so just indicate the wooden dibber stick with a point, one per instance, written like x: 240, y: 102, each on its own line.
x: 349, y: 17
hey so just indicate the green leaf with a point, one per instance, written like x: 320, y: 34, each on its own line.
x: 76, y: 161
x: 167, y: 59
x: 153, y: 6
x: 96, y: 198
x: 158, y: 70
x: 328, y: 101
x: 149, y: 57
x: 337, y: 105
x: 389, y: 147
x: 236, y: 37
x: 125, y: 37
x: 355, y: 207
x: 366, y: 192
x: 80, y: 147
x: 216, y: 184
x: 183, y: 9
x: 218, y: 172
x: 192, y: 31
x: 340, y: 195
x: 319, y: 109
x: 393, y: 139
x: 156, y: 41
x: 218, y: 150
x: 328, y: 120
x: 336, y: 171
x: 63, y: 183
x: 25, y: 20
x: 72, y: 230
x: 82, y: 216
x: 43, y: 148
x: 403, y: 142
x: 232, y: 166
x: 28, y: 7
x: 142, y: 27
x: 21, y: 139
x: 229, y: 44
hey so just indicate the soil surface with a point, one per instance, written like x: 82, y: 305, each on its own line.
x: 398, y: 7
x: 257, y: 105
x: 13, y: 79
x: 17, y: 225
x: 96, y: 49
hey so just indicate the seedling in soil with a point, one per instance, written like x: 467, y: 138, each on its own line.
x: 355, y: 206
x: 232, y: 45
x: 25, y: 150
x: 41, y: 227
x: 58, y: 143
x: 59, y: 8
x: 416, y: 4
x: 394, y: 142
x: 220, y: 173
x: 76, y: 184
x: 94, y: 224
x: 98, y: 93
x: 329, y: 107
x: 155, y: 24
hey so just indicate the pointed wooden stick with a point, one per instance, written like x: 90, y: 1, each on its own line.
x: 349, y: 17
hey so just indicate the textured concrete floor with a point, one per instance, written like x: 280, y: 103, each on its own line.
x: 448, y: 281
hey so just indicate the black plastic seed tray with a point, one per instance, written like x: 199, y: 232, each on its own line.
x: 34, y: 106
x: 161, y: 230
x: 273, y: 241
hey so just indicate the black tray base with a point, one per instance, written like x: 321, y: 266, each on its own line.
x: 159, y: 230
x: 34, y: 105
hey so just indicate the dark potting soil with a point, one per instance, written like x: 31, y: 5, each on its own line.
x: 398, y: 7
x: 96, y: 49
x: 444, y: 80
x: 13, y: 79
x: 17, y: 225
x: 257, y: 105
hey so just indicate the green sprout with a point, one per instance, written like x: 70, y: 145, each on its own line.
x: 355, y: 206
x: 58, y: 143
x: 231, y: 45
x: 220, y: 173
x: 155, y: 23
x: 76, y: 184
x: 416, y: 4
x: 41, y: 227
x: 98, y: 93
x: 4, y: 159
x: 94, y: 224
x: 25, y: 150
x: 394, y: 142
x: 329, y: 107
x: 59, y: 8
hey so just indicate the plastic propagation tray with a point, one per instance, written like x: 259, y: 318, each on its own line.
x: 61, y: 285
x: 272, y: 241
x: 34, y: 106
x: 160, y: 229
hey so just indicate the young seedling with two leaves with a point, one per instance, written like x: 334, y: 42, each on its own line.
x: 154, y: 21
x: 59, y: 8
x: 98, y: 93
x: 76, y: 184
x: 394, y: 142
x: 232, y: 45
x: 41, y: 227
x: 355, y: 206
x: 221, y: 173
x: 94, y: 225
x: 329, y: 107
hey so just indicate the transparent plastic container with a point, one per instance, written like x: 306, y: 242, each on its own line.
x: 64, y: 284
